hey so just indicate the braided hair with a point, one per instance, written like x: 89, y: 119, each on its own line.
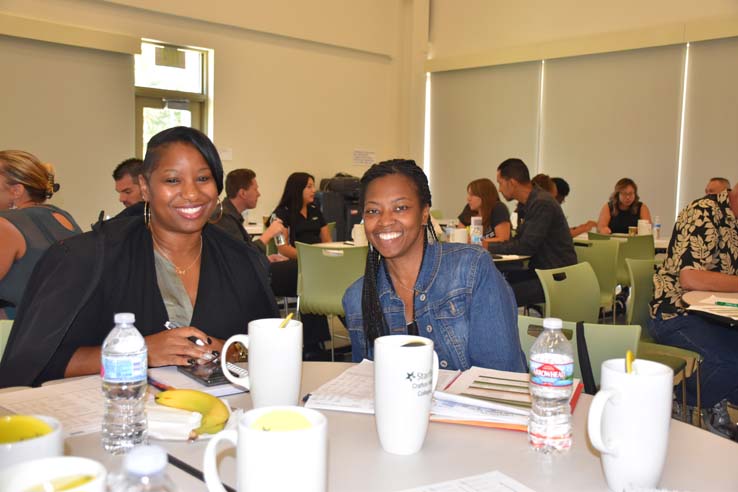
x: 374, y: 323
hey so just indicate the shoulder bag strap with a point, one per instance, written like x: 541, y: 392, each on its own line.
x: 586, y: 368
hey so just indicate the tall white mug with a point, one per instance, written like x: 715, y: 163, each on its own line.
x: 405, y: 375
x: 629, y: 421
x: 273, y: 459
x: 358, y: 234
x: 275, y: 362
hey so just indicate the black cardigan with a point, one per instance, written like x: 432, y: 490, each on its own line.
x: 80, y: 283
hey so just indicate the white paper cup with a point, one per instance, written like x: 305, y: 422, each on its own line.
x: 358, y: 234
x: 405, y: 375
x: 273, y: 460
x: 275, y: 362
x: 23, y: 476
x: 47, y: 445
x: 644, y: 227
x: 460, y: 235
x: 628, y: 423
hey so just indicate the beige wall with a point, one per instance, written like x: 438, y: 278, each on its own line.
x: 282, y: 104
x: 479, y: 26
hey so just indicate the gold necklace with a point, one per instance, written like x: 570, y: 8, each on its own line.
x: 399, y: 282
x: 180, y: 271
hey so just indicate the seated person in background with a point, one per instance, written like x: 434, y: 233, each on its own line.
x: 543, y: 235
x: 305, y: 223
x: 298, y: 212
x: 413, y: 284
x: 242, y: 193
x: 28, y: 226
x: 716, y: 185
x: 165, y: 265
x: 562, y: 191
x: 484, y: 201
x: 702, y: 255
x: 623, y: 209
x: 126, y: 181
x: 546, y: 183
x: 465, y: 215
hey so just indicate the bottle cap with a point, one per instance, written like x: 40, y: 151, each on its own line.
x: 145, y: 460
x: 124, y: 318
x: 476, y: 221
x: 553, y: 323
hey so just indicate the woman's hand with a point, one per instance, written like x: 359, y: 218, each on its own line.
x: 172, y: 347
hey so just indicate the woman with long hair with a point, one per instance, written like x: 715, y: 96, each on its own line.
x: 484, y: 201
x: 167, y: 265
x: 28, y: 225
x: 298, y: 212
x: 623, y: 209
x: 413, y: 284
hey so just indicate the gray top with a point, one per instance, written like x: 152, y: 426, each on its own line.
x: 177, y: 302
x: 40, y: 230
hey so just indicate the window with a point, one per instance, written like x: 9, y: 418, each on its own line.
x: 171, y: 90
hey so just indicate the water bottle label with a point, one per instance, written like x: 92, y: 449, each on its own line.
x: 124, y: 368
x: 552, y: 374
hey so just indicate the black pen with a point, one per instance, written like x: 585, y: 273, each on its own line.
x: 170, y: 325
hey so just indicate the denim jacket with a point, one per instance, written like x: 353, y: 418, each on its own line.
x: 462, y: 303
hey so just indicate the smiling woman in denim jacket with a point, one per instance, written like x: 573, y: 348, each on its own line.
x: 413, y: 284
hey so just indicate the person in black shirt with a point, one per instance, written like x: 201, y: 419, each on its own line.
x: 298, y: 212
x: 544, y: 235
x: 305, y: 223
x: 623, y: 209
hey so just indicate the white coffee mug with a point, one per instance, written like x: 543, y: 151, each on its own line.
x: 30, y: 448
x: 275, y: 362
x: 74, y: 473
x: 460, y: 235
x: 629, y: 422
x: 405, y: 375
x: 644, y: 227
x: 274, y: 460
x: 358, y: 234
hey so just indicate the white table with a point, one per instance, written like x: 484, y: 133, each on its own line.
x: 254, y: 229
x: 697, y: 460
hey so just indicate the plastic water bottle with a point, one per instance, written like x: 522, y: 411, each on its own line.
x: 144, y: 469
x: 278, y: 238
x: 656, y: 227
x: 124, y: 386
x: 551, y: 378
x: 475, y: 230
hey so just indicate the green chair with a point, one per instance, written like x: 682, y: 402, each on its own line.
x: 604, y: 341
x: 596, y: 236
x: 683, y: 362
x: 635, y: 247
x: 436, y: 214
x: 5, y: 326
x: 323, y: 275
x: 331, y: 230
x: 603, y: 258
x: 572, y: 293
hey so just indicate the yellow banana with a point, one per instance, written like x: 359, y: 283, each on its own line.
x: 214, y: 412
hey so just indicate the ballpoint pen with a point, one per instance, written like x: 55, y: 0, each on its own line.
x: 170, y: 325
x: 727, y: 304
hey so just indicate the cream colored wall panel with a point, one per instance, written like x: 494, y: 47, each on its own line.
x: 369, y: 25
x: 479, y: 118
x: 711, y: 118
x: 611, y: 116
x: 72, y: 107
x: 480, y: 26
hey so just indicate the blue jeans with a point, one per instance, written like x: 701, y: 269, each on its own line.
x: 718, y: 346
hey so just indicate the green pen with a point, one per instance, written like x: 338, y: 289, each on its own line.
x: 728, y: 304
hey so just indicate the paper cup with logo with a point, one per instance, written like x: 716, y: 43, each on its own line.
x: 275, y: 362
x: 277, y: 448
x: 405, y: 375
x: 29, y: 437
x: 629, y: 420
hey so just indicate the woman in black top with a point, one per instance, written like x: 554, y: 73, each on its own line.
x: 303, y: 219
x: 623, y: 210
x: 305, y: 223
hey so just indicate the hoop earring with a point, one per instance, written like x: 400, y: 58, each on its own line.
x: 429, y: 235
x: 147, y: 215
x: 220, y: 213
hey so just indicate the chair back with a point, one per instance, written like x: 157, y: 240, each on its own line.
x: 5, y: 326
x: 603, y: 258
x: 324, y: 274
x: 596, y: 236
x: 572, y: 293
x: 332, y: 230
x: 641, y: 292
x: 436, y: 214
x: 635, y: 247
x: 604, y: 342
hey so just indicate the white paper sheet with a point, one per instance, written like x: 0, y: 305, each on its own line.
x: 487, y: 482
x: 78, y: 404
